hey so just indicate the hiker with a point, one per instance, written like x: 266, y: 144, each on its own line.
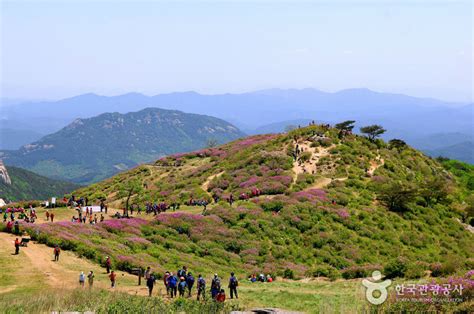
x: 215, y: 286
x: 108, y: 264
x: 165, y: 281
x: 16, y: 227
x: 172, y: 284
x: 269, y: 278
x: 17, y: 246
x: 189, y: 283
x: 9, y: 226
x: 201, y: 287
x: 220, y: 297
x: 252, y: 278
x: 57, y: 251
x: 102, y: 218
x: 52, y: 217
x: 90, y: 278
x: 182, y: 286
x: 233, y: 284
x: 147, y: 273
x: 182, y: 272
x: 82, y: 279
x: 112, y: 277
x: 47, y: 215
x: 95, y: 218
x: 150, y: 282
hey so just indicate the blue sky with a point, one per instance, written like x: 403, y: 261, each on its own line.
x: 59, y: 49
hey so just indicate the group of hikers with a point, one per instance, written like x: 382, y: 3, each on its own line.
x: 89, y: 216
x: 179, y: 285
x: 77, y: 202
x: 155, y: 208
x: 183, y: 283
x: 90, y: 279
x: 28, y: 216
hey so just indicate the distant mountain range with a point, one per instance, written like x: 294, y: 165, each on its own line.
x: 459, y: 151
x: 26, y: 185
x: 409, y: 118
x: 14, y: 138
x: 89, y: 150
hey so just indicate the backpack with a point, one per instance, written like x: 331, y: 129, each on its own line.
x: 201, y: 283
x: 182, y: 285
x: 216, y: 283
x: 57, y: 250
x: 190, y: 280
x: 172, y: 281
x: 233, y: 282
x: 181, y: 273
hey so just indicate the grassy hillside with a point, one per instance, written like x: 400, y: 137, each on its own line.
x: 342, y: 207
x: 27, y: 185
x: 89, y: 150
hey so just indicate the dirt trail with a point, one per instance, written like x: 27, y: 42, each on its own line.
x: 375, y: 164
x: 310, y: 166
x: 321, y: 183
x: 37, y: 265
x: 206, y: 183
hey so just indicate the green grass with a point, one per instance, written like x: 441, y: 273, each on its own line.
x: 101, y: 301
x: 308, y: 297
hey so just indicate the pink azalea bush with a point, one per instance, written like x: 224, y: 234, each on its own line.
x: 315, y: 196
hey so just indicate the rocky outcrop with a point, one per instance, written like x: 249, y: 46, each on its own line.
x: 4, y: 177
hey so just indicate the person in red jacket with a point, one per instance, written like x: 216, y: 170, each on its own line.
x: 17, y: 246
x: 112, y: 277
x: 220, y: 296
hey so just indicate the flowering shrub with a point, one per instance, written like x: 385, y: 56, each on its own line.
x: 314, y: 196
x: 253, y: 140
x: 250, y: 182
x: 124, y: 225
